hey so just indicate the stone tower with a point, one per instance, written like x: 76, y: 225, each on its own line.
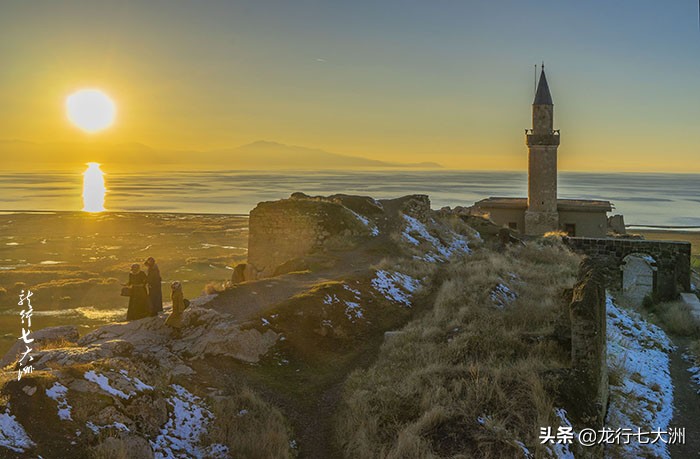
x: 542, y: 141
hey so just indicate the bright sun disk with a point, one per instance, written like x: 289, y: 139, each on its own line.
x: 91, y: 110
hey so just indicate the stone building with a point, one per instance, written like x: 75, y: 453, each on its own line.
x: 542, y: 211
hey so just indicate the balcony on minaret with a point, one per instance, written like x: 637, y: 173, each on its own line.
x: 532, y: 139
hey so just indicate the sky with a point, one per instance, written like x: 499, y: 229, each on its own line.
x: 444, y: 81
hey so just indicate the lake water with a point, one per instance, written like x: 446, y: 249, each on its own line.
x: 644, y: 199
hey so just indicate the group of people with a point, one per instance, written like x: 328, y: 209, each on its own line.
x: 146, y: 295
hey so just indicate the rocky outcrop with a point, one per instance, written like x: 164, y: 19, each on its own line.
x: 126, y: 388
x: 119, y: 388
x: 64, y: 334
x: 206, y: 333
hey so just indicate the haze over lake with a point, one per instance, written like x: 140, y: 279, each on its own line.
x: 644, y: 199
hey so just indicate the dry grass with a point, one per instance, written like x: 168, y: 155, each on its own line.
x: 617, y: 371
x: 111, y: 448
x: 216, y: 287
x: 556, y: 234
x: 416, y: 268
x: 57, y: 343
x: 250, y: 427
x: 464, y: 380
x: 677, y: 318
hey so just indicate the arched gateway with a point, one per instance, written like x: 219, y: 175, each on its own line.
x: 638, y: 276
x: 658, y: 267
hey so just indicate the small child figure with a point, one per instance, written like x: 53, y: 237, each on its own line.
x: 175, y: 318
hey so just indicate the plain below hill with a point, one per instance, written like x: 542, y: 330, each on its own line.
x: 260, y: 155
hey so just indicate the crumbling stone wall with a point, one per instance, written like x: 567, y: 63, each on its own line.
x: 587, y: 312
x: 282, y: 233
x: 582, y: 388
x: 283, y: 230
x: 672, y: 261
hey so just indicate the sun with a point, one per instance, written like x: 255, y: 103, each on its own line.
x: 91, y: 110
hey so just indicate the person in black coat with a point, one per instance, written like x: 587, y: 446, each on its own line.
x: 155, y: 292
x: 139, y: 304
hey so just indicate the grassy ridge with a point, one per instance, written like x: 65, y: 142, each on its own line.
x: 464, y: 379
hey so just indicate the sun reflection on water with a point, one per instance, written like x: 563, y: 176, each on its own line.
x: 93, y: 189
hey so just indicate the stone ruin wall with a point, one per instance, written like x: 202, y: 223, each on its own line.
x: 582, y: 388
x: 284, y: 230
x: 587, y: 312
x: 672, y: 260
x: 291, y: 229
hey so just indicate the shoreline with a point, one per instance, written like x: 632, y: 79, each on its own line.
x: 105, y: 212
x: 633, y: 229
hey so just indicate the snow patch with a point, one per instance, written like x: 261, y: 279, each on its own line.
x: 103, y: 382
x: 395, y: 286
x: 138, y: 384
x: 562, y: 450
x: 115, y: 425
x: 695, y: 375
x: 12, y: 434
x: 694, y: 370
x: 352, y: 290
x: 644, y: 399
x: 353, y: 311
x: 188, y: 421
x: 374, y: 231
x: 415, y: 229
x: 524, y: 449
x: 58, y: 393
x: 330, y: 299
x: 502, y: 296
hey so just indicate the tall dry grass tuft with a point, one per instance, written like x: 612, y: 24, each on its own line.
x: 111, y: 448
x: 250, y: 427
x: 56, y: 343
x: 465, y: 379
x: 695, y: 348
x: 677, y: 318
x: 216, y: 287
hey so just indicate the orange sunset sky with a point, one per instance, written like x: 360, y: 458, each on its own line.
x: 447, y: 82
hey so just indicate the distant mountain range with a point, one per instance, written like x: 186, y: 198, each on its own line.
x: 261, y: 155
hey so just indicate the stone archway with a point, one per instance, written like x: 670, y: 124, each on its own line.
x: 638, y: 276
x: 670, y: 258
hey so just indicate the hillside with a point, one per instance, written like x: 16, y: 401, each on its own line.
x: 260, y: 155
x: 356, y: 328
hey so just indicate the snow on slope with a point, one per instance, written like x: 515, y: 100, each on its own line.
x: 638, y: 351
x: 12, y: 434
x: 181, y: 435
x: 416, y: 230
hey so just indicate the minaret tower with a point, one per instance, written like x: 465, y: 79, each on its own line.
x: 542, y: 141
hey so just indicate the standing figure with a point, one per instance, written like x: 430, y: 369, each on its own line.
x: 155, y: 292
x: 139, y: 305
x: 175, y: 318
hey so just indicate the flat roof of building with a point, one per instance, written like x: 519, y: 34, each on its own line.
x: 571, y: 205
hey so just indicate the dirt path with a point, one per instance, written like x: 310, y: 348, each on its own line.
x: 687, y: 403
x: 245, y: 300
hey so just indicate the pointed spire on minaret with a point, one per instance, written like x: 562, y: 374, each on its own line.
x: 543, y: 96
